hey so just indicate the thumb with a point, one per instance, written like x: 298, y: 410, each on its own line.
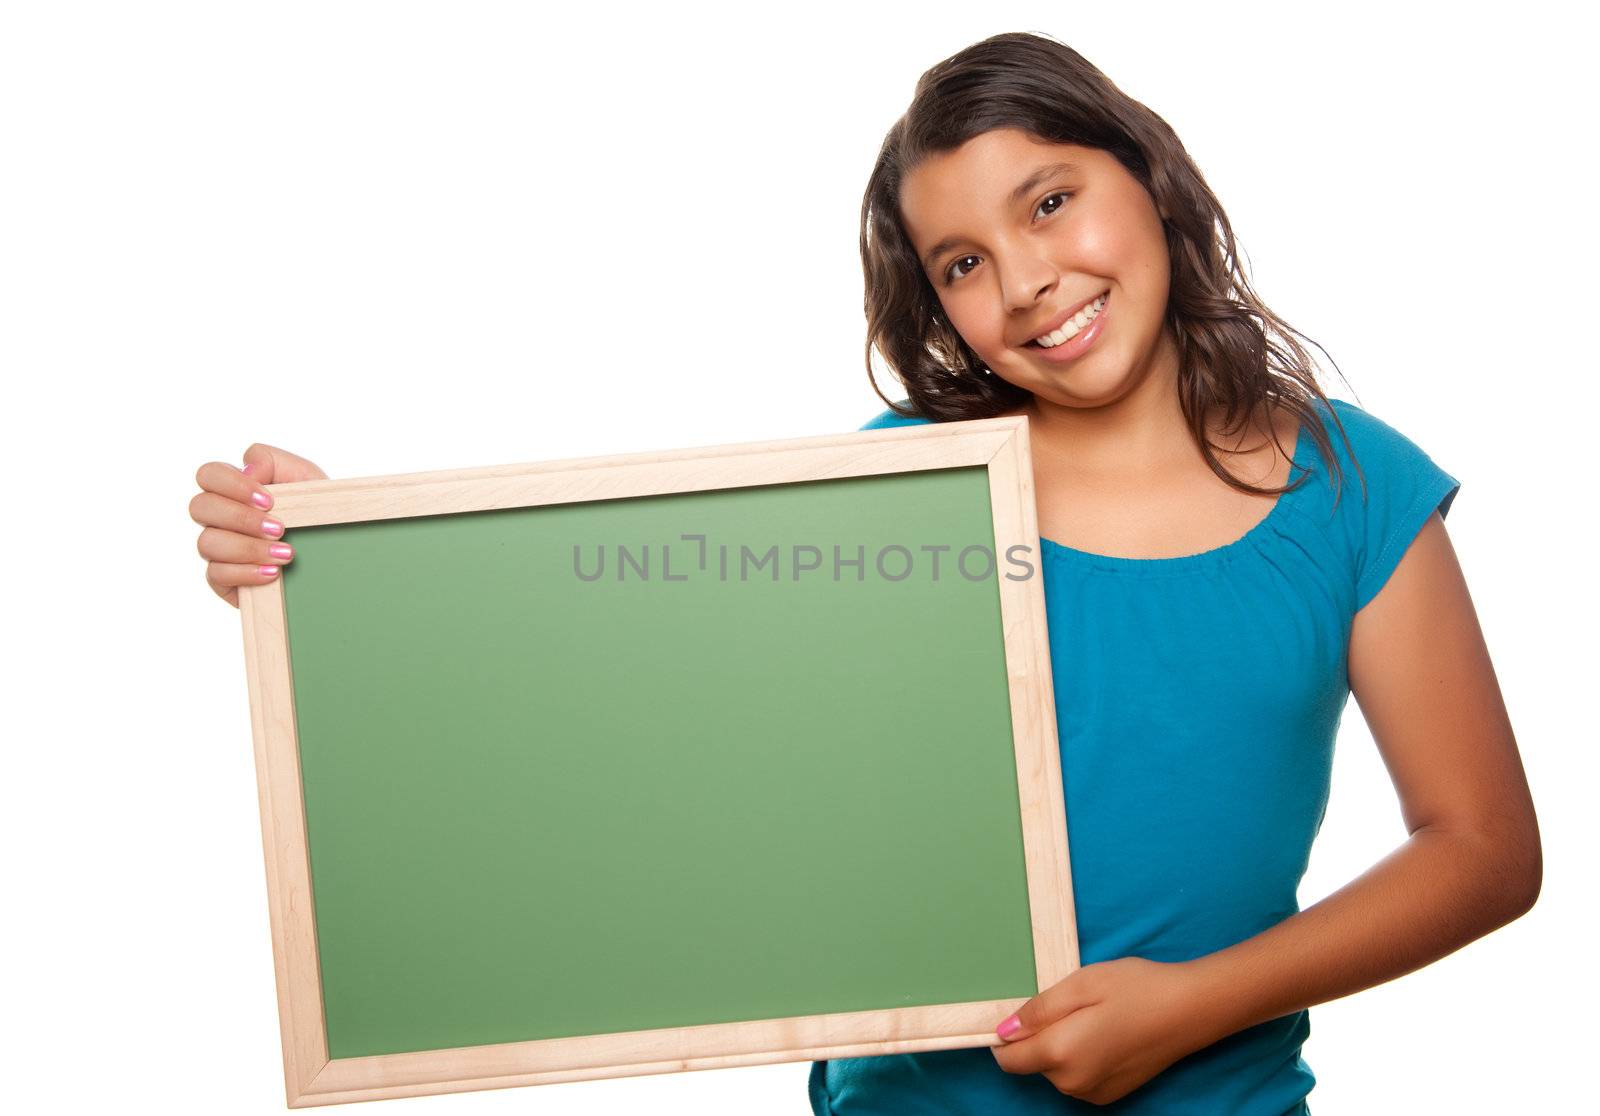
x: 266, y: 464
x: 1060, y: 999
x: 258, y: 463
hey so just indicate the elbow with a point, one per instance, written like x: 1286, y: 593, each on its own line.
x: 1508, y: 862
x: 1520, y: 871
x: 1531, y: 875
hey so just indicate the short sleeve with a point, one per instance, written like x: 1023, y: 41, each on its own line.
x: 1403, y: 487
x: 887, y: 420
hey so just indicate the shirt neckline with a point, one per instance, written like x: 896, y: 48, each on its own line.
x: 1205, y: 558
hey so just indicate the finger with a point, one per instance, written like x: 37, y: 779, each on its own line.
x: 217, y: 545
x: 224, y: 480
x: 267, y: 464
x: 1056, y: 1002
x: 1035, y: 1054
x: 258, y: 463
x: 1072, y: 1082
x: 226, y: 578
x: 211, y: 510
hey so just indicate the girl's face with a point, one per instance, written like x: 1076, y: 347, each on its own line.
x: 1019, y: 237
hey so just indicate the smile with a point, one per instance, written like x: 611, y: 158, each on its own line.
x: 1073, y: 325
x: 1075, y: 336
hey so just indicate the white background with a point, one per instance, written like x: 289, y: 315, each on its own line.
x: 413, y: 236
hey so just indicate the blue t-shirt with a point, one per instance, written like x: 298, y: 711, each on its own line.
x: 1197, y: 701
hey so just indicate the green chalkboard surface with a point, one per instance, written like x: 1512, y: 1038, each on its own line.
x: 540, y: 805
x: 667, y: 761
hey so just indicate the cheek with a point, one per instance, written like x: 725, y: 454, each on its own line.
x: 1098, y: 247
x: 977, y: 323
x: 1118, y: 247
x: 1121, y: 240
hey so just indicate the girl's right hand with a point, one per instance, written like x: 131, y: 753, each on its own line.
x: 241, y: 543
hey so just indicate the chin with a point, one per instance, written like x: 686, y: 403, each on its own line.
x: 1082, y: 390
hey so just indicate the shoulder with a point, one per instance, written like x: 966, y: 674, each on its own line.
x: 1387, y: 489
x: 1379, y: 455
x: 888, y: 419
x: 1367, y: 432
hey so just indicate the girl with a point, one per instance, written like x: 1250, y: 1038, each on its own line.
x: 1037, y: 243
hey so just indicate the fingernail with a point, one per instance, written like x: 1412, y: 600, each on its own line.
x: 246, y: 470
x: 261, y: 500
x: 267, y: 571
x: 271, y: 527
x: 280, y: 550
x: 1010, y: 1027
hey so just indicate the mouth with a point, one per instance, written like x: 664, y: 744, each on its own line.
x: 1072, y: 338
x: 1071, y: 324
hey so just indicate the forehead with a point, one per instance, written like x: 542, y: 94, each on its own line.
x: 951, y: 188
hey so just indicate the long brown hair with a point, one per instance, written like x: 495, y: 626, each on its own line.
x: 1234, y: 353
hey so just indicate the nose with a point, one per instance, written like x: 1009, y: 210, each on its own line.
x: 1025, y: 279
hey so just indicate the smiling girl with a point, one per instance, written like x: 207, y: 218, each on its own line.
x: 1037, y: 243
x: 1227, y: 556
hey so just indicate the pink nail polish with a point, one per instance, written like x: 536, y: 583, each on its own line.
x: 271, y: 527
x: 1010, y: 1027
x: 280, y: 550
x: 246, y: 470
x: 261, y: 500
x: 267, y: 571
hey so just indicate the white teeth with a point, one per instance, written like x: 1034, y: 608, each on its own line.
x: 1075, y: 323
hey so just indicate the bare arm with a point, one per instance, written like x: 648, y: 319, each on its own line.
x: 1421, y: 673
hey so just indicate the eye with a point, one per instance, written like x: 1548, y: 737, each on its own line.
x: 953, y: 272
x: 1063, y: 195
x: 950, y: 275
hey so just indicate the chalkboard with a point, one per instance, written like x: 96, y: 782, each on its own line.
x: 657, y: 762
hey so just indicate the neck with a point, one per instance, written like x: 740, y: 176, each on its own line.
x: 1142, y: 431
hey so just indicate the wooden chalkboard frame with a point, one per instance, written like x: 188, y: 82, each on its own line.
x: 311, y: 1078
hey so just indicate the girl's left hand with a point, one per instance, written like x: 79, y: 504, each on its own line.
x: 1108, y: 1028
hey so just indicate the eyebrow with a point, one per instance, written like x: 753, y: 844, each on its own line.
x: 1023, y: 189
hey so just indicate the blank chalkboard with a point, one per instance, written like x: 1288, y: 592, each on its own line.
x: 666, y: 761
